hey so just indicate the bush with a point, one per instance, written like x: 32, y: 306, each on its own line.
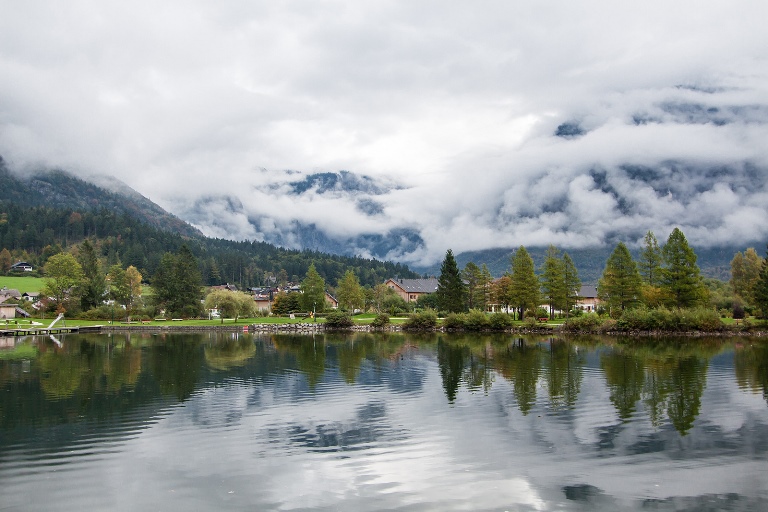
x: 663, y: 319
x: 338, y: 320
x: 530, y: 322
x: 499, y: 321
x: 381, y: 320
x: 590, y: 322
x: 455, y: 321
x: 423, y: 320
x: 476, y: 320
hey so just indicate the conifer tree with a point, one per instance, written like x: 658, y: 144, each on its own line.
x: 680, y: 276
x: 94, y: 285
x: 761, y: 288
x: 188, y: 284
x: 313, y: 291
x: 349, y: 292
x: 620, y: 285
x: 571, y: 281
x: 651, y: 260
x: 450, y: 288
x: 524, y: 285
x: 552, y: 279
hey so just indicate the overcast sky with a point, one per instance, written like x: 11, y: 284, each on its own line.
x: 664, y: 108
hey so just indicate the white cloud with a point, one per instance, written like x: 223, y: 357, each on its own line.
x: 187, y: 100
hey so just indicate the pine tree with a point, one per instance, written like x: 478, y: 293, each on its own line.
x: 188, y: 284
x: 620, y: 285
x: 450, y: 288
x: 524, y: 285
x: 680, y: 276
x: 651, y: 260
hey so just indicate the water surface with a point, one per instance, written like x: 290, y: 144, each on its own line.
x: 382, y: 422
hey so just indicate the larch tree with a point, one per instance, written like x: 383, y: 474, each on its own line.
x: 572, y: 283
x: 620, y: 285
x: 680, y: 277
x: 349, y: 293
x: 552, y: 278
x: 761, y: 288
x: 745, y: 271
x: 450, y: 288
x: 473, y: 279
x: 524, y: 285
x: 313, y: 291
x: 651, y: 260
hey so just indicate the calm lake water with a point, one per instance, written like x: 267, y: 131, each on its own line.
x: 382, y: 422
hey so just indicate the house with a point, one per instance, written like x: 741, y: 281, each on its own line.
x: 263, y: 297
x: 587, y: 300
x: 9, y: 293
x: 411, y: 289
x: 331, y: 301
x: 21, y: 266
x: 11, y: 311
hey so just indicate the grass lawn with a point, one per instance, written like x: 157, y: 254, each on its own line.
x: 23, y: 284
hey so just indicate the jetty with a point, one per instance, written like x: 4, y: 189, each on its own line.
x: 37, y: 330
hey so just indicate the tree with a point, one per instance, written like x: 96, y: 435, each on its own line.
x: 761, y: 289
x: 164, y: 282
x: 63, y: 277
x: 187, y: 284
x: 230, y: 304
x: 93, y: 283
x: 745, y: 271
x: 524, y: 285
x: 6, y: 260
x: 349, y: 292
x: 501, y: 293
x: 124, y: 287
x: 620, y: 285
x: 313, y: 291
x: 552, y: 278
x: 572, y: 283
x: 651, y: 260
x: 286, y: 303
x: 472, y: 276
x: 680, y: 276
x: 450, y: 289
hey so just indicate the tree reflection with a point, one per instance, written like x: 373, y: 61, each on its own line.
x: 176, y: 362
x: 564, y: 374
x: 751, y: 364
x: 450, y: 359
x: 230, y: 353
x: 625, y: 376
x: 520, y: 363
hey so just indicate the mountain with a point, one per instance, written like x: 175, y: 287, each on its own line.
x: 60, y: 189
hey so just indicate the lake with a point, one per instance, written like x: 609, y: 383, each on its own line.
x: 356, y: 422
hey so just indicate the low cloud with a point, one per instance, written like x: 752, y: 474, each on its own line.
x: 480, y: 127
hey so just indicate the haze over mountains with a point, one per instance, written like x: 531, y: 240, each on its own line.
x: 400, y: 130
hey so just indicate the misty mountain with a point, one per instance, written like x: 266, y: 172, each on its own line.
x: 60, y: 189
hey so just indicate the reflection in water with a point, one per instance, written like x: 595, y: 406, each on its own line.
x: 376, y: 421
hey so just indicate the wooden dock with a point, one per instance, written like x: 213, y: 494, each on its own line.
x: 45, y: 331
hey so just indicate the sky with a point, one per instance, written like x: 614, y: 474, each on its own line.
x: 483, y: 125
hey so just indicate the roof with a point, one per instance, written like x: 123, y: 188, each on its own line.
x: 417, y: 285
x: 10, y: 292
x: 587, y: 291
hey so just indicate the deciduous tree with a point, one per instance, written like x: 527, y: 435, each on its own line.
x: 745, y: 271
x: 64, y: 275
x: 349, y: 293
x: 313, y: 291
x: 94, y: 287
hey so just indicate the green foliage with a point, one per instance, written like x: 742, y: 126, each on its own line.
x: 745, y: 273
x: 663, y: 319
x: 650, y: 260
x: 338, y: 320
x: 760, y: 289
x: 349, y: 293
x: 552, y: 278
x: 680, y: 276
x: 64, y: 275
x: 381, y: 320
x: 231, y: 304
x: 620, y: 286
x: 524, y: 285
x: 500, y: 321
x: 313, y: 291
x: 454, y: 321
x: 450, y: 288
x: 286, y: 303
x: 423, y: 320
x: 590, y: 322
x: 94, y: 285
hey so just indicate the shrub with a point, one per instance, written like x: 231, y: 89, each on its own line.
x: 499, y: 321
x: 338, y: 320
x: 455, y: 321
x: 590, y: 322
x: 381, y: 320
x: 423, y: 320
x: 476, y: 320
x: 530, y: 322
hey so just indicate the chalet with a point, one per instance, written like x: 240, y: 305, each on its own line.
x: 588, y: 300
x: 21, y: 266
x: 331, y: 301
x: 411, y: 289
x: 9, y: 293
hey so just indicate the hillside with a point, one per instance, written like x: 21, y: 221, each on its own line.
x: 60, y: 189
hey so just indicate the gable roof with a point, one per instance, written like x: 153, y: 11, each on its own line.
x: 417, y: 285
x: 10, y: 292
x: 588, y: 291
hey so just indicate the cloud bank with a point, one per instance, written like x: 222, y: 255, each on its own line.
x: 463, y: 127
